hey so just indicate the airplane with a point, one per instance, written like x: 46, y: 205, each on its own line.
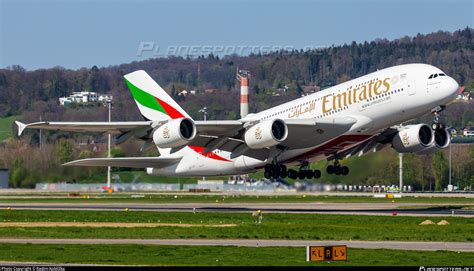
x: 353, y: 118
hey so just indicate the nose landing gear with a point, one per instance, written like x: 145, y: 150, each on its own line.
x: 436, y: 116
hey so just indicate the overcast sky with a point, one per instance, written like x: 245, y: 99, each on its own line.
x: 79, y: 33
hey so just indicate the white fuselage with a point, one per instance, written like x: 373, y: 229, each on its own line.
x: 377, y: 101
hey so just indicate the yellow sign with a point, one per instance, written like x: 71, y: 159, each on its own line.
x: 327, y: 253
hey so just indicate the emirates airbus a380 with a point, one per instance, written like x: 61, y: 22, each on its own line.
x: 353, y: 118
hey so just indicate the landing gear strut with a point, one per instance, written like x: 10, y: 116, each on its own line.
x: 337, y: 169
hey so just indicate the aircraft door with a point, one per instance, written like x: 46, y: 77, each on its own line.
x: 411, y: 88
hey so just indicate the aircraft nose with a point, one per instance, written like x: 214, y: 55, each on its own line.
x: 452, y: 86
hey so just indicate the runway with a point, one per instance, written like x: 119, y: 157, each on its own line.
x: 428, y: 246
x: 401, y: 209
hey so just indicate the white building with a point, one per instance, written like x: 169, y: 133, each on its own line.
x: 84, y: 97
x: 467, y: 132
x: 466, y: 96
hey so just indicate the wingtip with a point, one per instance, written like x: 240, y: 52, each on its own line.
x: 21, y: 127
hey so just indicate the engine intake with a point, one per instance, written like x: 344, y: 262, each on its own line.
x: 442, y: 139
x: 413, y: 138
x: 266, y: 134
x: 174, y: 133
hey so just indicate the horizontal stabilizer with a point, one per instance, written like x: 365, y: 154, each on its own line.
x: 111, y: 127
x: 135, y: 162
x: 21, y: 127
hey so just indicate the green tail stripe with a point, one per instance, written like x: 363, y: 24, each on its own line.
x: 144, y: 98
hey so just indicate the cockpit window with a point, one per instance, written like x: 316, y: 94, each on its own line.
x: 436, y: 75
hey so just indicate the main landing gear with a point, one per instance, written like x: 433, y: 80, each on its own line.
x: 337, y: 169
x: 280, y: 171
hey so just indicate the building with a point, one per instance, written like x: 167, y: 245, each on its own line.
x: 465, y: 96
x: 311, y: 89
x: 467, y: 132
x: 4, y: 178
x: 210, y: 90
x: 84, y: 97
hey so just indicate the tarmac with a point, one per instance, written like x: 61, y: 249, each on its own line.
x: 388, y: 209
x: 399, y: 245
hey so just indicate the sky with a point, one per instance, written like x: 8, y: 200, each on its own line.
x: 82, y: 33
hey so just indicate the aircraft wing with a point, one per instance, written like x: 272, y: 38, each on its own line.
x: 135, y: 162
x: 372, y: 144
x: 302, y: 133
x: 111, y: 127
x: 219, y: 127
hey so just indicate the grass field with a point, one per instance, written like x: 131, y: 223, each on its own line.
x: 219, y: 256
x: 274, y: 226
x: 6, y: 127
x: 186, y: 198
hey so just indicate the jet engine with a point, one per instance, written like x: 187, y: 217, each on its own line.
x: 266, y: 133
x: 413, y: 138
x: 442, y: 139
x: 174, y: 133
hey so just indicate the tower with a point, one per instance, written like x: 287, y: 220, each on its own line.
x: 244, y: 77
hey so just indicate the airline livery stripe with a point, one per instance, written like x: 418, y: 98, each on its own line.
x: 173, y: 113
x: 211, y: 155
x: 144, y: 98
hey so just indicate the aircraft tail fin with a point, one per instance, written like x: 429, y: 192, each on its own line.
x: 152, y: 100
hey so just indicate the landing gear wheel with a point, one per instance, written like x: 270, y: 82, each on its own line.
x: 301, y: 174
x: 293, y: 174
x: 309, y: 174
x: 317, y: 174
x: 267, y: 175
x: 330, y: 169
x: 276, y: 171
x: 344, y: 170
x: 337, y: 170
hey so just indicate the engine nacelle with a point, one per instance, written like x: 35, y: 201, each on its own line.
x: 413, y: 138
x: 266, y: 134
x: 442, y: 139
x: 174, y: 133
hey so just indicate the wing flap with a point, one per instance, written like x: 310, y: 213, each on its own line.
x: 135, y: 162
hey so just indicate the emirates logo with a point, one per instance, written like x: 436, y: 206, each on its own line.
x: 405, y: 139
x: 166, y: 132
x: 258, y: 133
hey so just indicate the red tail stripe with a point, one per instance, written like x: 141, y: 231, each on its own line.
x: 173, y: 113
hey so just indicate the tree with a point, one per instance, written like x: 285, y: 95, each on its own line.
x: 18, y: 172
x: 440, y: 168
x: 64, y: 150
